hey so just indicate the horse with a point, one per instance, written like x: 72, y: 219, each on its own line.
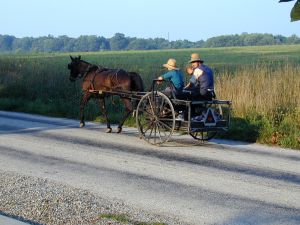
x: 103, y: 79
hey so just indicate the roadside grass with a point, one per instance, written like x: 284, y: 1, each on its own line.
x: 262, y: 82
x: 266, y: 101
x: 122, y: 218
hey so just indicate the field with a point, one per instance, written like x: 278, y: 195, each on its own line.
x: 263, y: 83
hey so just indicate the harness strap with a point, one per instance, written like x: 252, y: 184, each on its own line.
x: 92, y: 81
x: 86, y: 71
x: 114, y: 79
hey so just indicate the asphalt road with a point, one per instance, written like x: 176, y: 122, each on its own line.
x: 197, y: 183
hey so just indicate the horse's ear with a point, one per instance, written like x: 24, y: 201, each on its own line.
x: 72, y: 58
x: 79, y: 57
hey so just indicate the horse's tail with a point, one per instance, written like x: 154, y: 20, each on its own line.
x: 137, y: 83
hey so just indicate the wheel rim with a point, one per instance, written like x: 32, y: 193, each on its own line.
x: 203, y: 135
x: 155, y: 118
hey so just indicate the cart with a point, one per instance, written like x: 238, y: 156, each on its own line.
x: 159, y: 116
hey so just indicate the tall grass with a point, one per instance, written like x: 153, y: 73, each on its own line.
x: 262, y: 82
x: 261, y: 88
x: 266, y: 96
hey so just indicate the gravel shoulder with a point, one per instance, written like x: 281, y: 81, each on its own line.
x: 41, y: 201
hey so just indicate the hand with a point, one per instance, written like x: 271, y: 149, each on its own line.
x: 159, y: 80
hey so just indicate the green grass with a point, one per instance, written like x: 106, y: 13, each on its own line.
x: 116, y: 217
x: 263, y: 83
x: 122, y: 218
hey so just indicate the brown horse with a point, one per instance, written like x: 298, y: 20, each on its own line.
x: 103, y: 79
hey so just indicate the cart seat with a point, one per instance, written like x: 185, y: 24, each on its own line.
x: 191, y: 96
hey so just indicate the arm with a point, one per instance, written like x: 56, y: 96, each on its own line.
x: 189, y: 84
x: 197, y: 73
x: 192, y: 82
x: 165, y: 76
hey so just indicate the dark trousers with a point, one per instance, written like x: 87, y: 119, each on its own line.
x: 194, y: 93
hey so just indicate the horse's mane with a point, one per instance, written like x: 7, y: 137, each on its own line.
x: 97, y: 68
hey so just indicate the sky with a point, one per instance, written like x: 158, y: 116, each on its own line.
x: 192, y: 20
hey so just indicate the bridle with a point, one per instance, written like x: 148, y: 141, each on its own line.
x: 82, y: 74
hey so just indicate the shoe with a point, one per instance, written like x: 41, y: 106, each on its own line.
x: 179, y: 117
x: 198, y: 118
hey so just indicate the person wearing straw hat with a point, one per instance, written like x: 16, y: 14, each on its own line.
x: 201, y: 83
x: 174, y: 75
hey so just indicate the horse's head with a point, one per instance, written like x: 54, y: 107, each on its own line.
x: 75, y: 67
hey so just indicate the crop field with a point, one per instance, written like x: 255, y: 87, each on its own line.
x: 263, y: 83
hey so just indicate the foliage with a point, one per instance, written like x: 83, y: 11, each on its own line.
x: 295, y: 12
x: 92, y: 43
x: 122, y: 218
x: 119, y: 42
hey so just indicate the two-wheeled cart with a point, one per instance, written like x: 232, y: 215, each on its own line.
x: 159, y: 116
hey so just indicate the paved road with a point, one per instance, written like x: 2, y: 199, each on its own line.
x: 5, y: 220
x: 212, y: 183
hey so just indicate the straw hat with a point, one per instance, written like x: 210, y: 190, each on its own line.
x: 171, y: 64
x: 195, y: 57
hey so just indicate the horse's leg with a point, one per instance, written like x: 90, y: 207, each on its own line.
x: 134, y: 104
x: 104, y: 112
x: 128, y: 110
x: 84, y: 100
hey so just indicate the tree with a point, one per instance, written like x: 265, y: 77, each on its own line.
x: 295, y: 12
x: 140, y: 44
x: 22, y: 44
x: 6, y: 42
x: 119, y: 42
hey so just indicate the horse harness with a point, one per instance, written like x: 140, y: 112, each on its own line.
x: 112, y: 77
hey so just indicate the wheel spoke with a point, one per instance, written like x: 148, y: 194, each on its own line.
x: 147, y: 111
x: 165, y: 125
x: 148, y: 128
x: 150, y: 133
x: 153, y: 113
x: 161, y: 128
x: 157, y: 131
x: 155, y: 126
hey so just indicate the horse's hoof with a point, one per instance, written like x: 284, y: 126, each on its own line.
x: 108, y: 130
x: 119, y: 130
x: 82, y: 125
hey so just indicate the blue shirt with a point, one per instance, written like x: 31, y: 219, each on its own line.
x: 176, y: 77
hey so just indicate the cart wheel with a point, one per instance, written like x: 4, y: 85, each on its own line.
x: 203, y: 135
x: 155, y: 118
x: 207, y: 135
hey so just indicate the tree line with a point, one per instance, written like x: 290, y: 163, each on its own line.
x: 93, y: 43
